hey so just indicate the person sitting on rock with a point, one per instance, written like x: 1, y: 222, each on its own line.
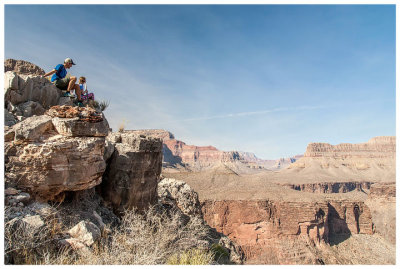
x: 85, y: 95
x: 65, y: 83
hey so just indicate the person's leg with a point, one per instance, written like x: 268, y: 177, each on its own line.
x: 72, y: 84
x: 78, y: 92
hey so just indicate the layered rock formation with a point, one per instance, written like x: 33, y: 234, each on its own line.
x: 134, y: 168
x: 321, y: 210
x: 378, y: 152
x: 261, y: 227
x: 331, y: 187
x: 177, y: 154
x: 47, y: 163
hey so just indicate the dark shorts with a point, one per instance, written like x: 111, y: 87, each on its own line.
x: 62, y: 83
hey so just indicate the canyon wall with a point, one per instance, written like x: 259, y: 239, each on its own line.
x: 377, y: 153
x: 261, y: 227
x: 178, y: 154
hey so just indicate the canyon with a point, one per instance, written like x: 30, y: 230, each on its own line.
x: 180, y: 156
x: 335, y: 204
x: 322, y: 209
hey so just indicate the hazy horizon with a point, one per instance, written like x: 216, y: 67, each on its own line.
x: 266, y: 79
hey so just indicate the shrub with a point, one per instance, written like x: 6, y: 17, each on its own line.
x: 219, y: 252
x: 27, y: 245
x: 153, y: 237
x: 103, y: 105
x: 192, y: 257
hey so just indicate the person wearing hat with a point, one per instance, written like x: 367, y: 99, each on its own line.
x: 65, y: 83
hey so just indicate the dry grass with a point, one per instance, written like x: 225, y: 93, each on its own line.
x: 27, y: 245
x: 192, y: 257
x: 156, y: 237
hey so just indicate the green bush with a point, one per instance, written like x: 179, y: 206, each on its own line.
x: 219, y: 252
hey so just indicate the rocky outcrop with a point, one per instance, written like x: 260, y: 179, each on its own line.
x: 382, y: 203
x: 331, y: 187
x: 383, y: 190
x: 133, y: 171
x: 47, y: 163
x: 261, y: 227
x: 180, y: 197
x: 324, y: 166
x: 378, y: 152
x: 20, y: 89
x: 22, y: 67
x: 377, y: 147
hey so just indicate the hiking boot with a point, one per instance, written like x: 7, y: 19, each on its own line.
x: 79, y: 103
x: 67, y: 94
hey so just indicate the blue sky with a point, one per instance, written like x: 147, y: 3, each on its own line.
x: 267, y: 79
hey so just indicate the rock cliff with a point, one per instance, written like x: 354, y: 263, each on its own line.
x: 133, y: 171
x: 326, y: 208
x: 378, y: 152
x: 261, y: 227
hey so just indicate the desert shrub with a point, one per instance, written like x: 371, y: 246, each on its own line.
x: 219, y: 252
x: 149, y: 238
x: 193, y: 256
x: 28, y: 245
x: 103, y: 105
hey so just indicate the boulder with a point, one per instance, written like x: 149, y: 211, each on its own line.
x: 75, y: 127
x: 31, y: 108
x: 187, y: 200
x: 56, y: 165
x: 133, y: 172
x: 9, y: 119
x: 23, y: 197
x: 9, y: 134
x: 65, y: 101
x: 85, y: 232
x: 11, y: 191
x: 33, y: 129
x: 33, y: 223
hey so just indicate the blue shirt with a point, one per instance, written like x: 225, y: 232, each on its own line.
x: 61, y: 72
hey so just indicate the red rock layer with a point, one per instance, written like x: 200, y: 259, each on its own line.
x: 264, y: 226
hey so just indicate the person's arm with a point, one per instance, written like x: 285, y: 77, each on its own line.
x: 50, y: 73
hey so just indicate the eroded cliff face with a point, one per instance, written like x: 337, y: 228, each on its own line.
x: 382, y: 203
x: 262, y: 227
x: 331, y: 187
x: 133, y: 171
x: 377, y: 153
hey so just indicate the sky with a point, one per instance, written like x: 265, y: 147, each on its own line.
x: 267, y: 79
